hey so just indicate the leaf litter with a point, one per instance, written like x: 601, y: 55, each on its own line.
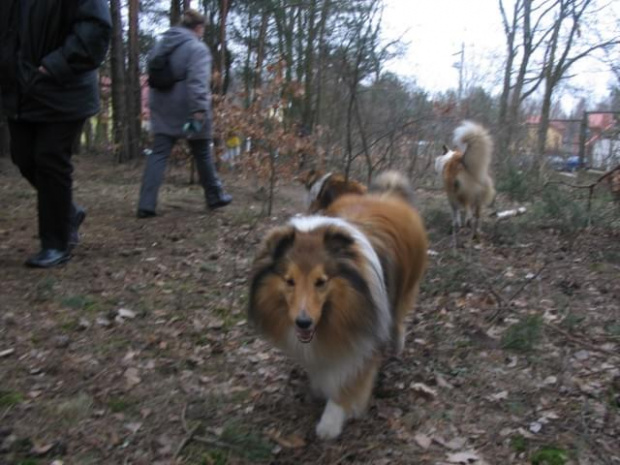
x: 164, y: 329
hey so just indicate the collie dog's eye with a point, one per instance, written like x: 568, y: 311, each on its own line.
x: 320, y: 282
x: 289, y: 282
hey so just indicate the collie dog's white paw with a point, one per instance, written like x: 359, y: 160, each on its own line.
x: 399, y: 343
x: 332, y: 421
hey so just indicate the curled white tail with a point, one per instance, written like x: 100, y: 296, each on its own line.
x: 393, y: 183
x: 474, y: 141
x: 476, y: 144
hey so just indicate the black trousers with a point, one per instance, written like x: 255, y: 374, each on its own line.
x: 42, y: 152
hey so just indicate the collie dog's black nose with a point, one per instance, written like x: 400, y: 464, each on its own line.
x: 303, y: 322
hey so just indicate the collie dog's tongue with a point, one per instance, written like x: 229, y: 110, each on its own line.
x: 304, y: 335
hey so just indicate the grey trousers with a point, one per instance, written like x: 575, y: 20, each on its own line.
x: 156, y: 167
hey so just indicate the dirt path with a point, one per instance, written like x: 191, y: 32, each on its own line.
x: 138, y: 350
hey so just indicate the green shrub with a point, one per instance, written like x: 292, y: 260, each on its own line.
x: 549, y: 455
x: 523, y: 335
x: 515, y: 184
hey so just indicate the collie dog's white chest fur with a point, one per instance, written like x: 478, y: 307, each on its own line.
x: 328, y: 372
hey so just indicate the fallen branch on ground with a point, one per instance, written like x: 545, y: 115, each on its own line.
x: 508, y: 213
x: 189, y: 433
x: 503, y: 306
x: 579, y: 341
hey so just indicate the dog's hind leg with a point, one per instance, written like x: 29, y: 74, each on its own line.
x: 399, y: 332
x: 456, y: 223
x: 476, y: 220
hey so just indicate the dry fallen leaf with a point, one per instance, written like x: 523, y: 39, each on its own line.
x: 468, y: 457
x: 6, y: 353
x: 292, y: 441
x: 423, y: 441
x: 133, y: 427
x: 126, y: 313
x: 41, y: 449
x: 499, y: 396
x: 423, y: 390
x: 132, y: 377
x: 453, y: 444
x: 535, y: 427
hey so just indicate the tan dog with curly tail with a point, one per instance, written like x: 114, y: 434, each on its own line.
x: 465, y: 173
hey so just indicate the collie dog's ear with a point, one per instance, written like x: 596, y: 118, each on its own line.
x: 306, y: 177
x: 337, y: 241
x: 445, y: 149
x: 275, y: 245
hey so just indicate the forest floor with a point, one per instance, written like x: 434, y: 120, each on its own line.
x: 138, y: 350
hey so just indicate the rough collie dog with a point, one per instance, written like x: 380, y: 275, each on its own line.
x: 465, y: 173
x: 323, y: 188
x: 333, y: 291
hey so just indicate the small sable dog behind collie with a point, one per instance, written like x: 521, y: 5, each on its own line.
x: 324, y: 188
x: 333, y: 291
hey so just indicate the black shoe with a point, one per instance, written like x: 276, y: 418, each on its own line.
x: 48, y: 258
x: 146, y: 214
x: 222, y: 201
x: 74, y: 235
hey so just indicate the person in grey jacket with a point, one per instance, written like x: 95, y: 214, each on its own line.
x: 182, y: 111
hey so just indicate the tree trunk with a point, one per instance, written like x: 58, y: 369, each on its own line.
x: 222, y: 66
x: 119, y: 90
x: 543, y: 125
x: 307, y: 120
x: 260, y: 52
x: 175, y: 12
x: 322, y: 52
x: 510, y: 31
x: 102, y: 131
x: 134, y: 90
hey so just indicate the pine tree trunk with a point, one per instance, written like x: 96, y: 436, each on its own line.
x: 134, y: 91
x: 119, y: 88
x: 175, y: 12
x: 102, y: 132
x: 223, y: 66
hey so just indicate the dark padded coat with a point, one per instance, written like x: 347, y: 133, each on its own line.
x: 70, y: 39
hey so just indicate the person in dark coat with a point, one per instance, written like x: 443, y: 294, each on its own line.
x: 49, y: 54
x: 182, y: 111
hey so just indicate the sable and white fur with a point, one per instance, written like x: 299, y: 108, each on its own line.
x: 465, y: 173
x: 323, y: 188
x: 333, y: 290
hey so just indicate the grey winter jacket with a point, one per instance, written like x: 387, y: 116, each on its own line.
x: 191, y: 64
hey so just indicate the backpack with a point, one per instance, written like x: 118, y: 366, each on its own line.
x: 161, y: 75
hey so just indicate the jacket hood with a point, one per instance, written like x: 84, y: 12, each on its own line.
x: 175, y: 36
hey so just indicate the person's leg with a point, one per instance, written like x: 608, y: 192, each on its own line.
x: 214, y: 193
x: 154, y: 174
x: 23, y: 136
x: 53, y: 177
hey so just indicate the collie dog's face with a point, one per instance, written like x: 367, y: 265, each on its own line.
x: 305, y: 281
x: 305, y: 289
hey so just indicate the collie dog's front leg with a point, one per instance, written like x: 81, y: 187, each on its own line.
x: 351, y: 402
x: 333, y: 419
